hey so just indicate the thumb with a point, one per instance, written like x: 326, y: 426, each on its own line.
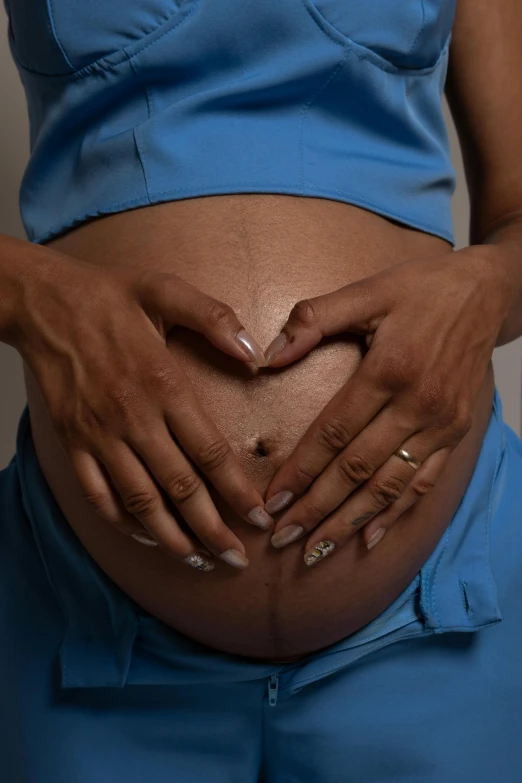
x: 354, y: 308
x: 179, y: 303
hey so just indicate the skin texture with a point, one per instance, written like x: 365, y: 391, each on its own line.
x: 261, y: 254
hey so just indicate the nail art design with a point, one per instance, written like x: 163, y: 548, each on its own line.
x: 199, y: 562
x: 279, y: 501
x: 259, y: 517
x: 319, y: 552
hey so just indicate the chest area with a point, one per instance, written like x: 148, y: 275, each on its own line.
x: 55, y: 37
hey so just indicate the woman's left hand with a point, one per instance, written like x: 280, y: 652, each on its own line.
x: 431, y: 326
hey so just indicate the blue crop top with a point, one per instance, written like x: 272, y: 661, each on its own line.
x: 135, y: 102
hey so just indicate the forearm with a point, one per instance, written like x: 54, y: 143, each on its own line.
x: 504, y: 244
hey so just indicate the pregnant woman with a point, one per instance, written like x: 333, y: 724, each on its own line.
x: 263, y: 523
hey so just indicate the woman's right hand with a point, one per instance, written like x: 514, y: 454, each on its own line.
x: 95, y: 340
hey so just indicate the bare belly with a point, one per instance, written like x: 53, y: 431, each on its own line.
x: 261, y: 253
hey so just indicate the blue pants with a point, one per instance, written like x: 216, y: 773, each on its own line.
x: 95, y: 690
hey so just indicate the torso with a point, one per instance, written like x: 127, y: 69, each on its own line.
x: 261, y: 253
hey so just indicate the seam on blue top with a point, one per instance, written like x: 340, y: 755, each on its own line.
x: 141, y: 156
x: 292, y: 187
x: 421, y: 28
x: 367, y: 54
x: 103, y: 62
x: 139, y: 147
x: 167, y: 32
x: 98, y: 65
x: 323, y: 28
x: 52, y: 28
x: 305, y: 108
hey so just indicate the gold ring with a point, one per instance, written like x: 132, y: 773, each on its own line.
x: 413, y: 461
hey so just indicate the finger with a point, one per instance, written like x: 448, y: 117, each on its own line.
x: 142, y: 500
x: 357, y: 307
x: 188, y: 493
x: 184, y: 305
x: 347, y: 414
x: 422, y: 482
x: 211, y: 452
x: 342, y: 525
x: 365, y: 461
x: 96, y: 489
x: 141, y: 497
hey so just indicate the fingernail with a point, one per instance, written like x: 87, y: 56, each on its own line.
x: 143, y: 538
x: 275, y: 347
x: 286, y: 535
x: 234, y: 558
x: 376, y: 537
x: 252, y: 347
x: 278, y: 501
x: 319, y: 552
x: 199, y: 562
x: 260, y: 518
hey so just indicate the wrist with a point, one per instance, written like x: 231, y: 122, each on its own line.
x: 501, y: 245
x: 21, y: 265
x: 496, y: 264
x: 493, y: 266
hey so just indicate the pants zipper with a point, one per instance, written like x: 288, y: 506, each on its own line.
x: 273, y: 685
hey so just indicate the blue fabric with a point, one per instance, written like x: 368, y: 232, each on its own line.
x: 96, y: 690
x: 135, y: 102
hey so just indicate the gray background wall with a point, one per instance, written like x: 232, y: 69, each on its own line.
x: 14, y: 149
